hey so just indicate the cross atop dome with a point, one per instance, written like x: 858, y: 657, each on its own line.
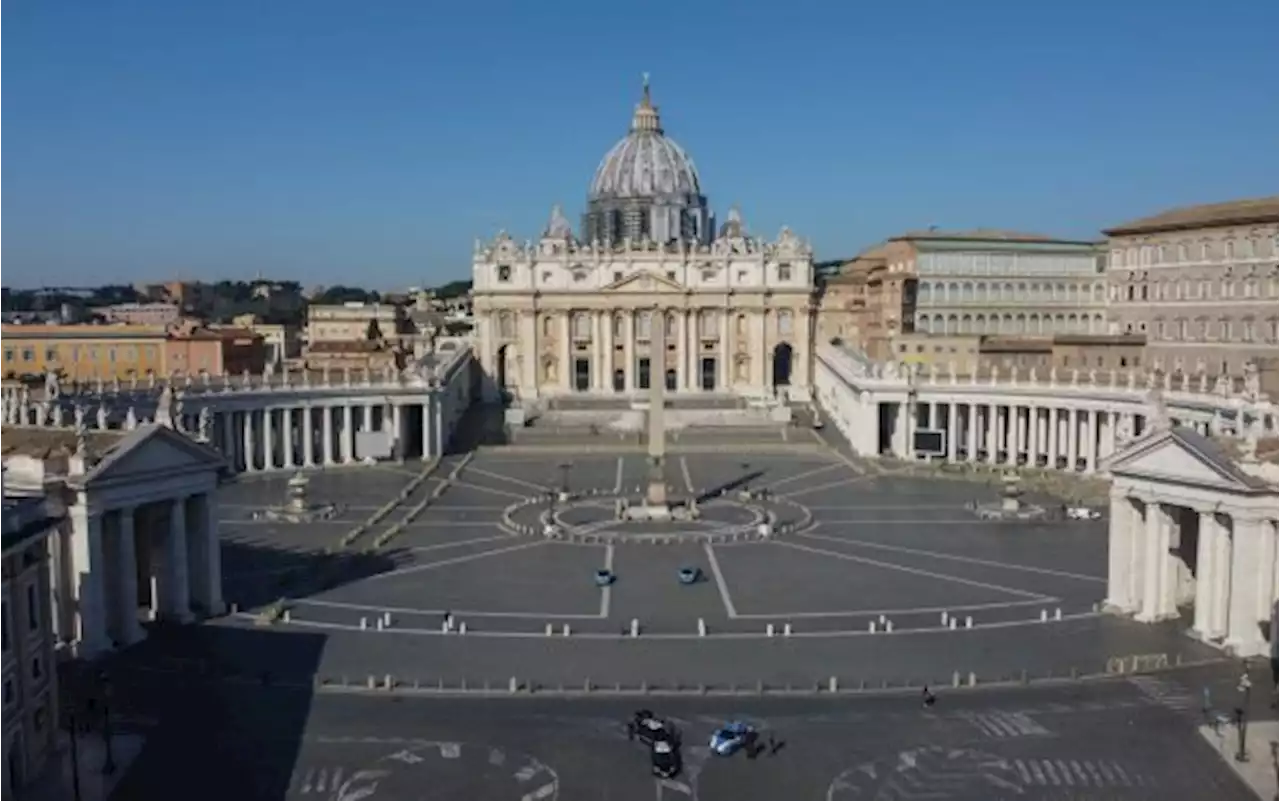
x: 646, y: 116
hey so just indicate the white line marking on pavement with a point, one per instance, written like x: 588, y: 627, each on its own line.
x: 916, y: 610
x: 617, y: 477
x: 721, y: 584
x: 519, y: 482
x: 503, y: 493
x: 458, y: 613
x: 953, y: 558
x: 453, y: 524
x: 439, y: 546
x: 455, y: 561
x: 805, y: 474
x: 607, y: 590
x: 542, y: 792
x: 832, y: 485
x: 684, y: 471
x: 307, y: 779
x: 913, y: 570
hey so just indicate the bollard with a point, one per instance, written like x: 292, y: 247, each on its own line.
x: 882, y: 619
x: 702, y: 627
x: 973, y: 679
x: 389, y: 682
x: 1057, y: 614
x: 1044, y: 615
x: 833, y: 685
x: 951, y: 624
x: 871, y: 627
x: 286, y: 616
x: 379, y: 621
x: 444, y: 627
x: 564, y: 631
x: 944, y: 619
x: 586, y: 686
x: 372, y: 682
x: 786, y: 629
x: 955, y: 679
x: 968, y: 622
x: 364, y: 623
x: 635, y: 627
x: 235, y: 608
x: 768, y: 630
x: 462, y: 628
x: 888, y: 627
x: 513, y: 685
x: 551, y: 629
x: 386, y: 619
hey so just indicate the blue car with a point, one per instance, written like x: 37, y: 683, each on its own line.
x: 731, y: 738
x: 604, y: 578
x: 690, y: 575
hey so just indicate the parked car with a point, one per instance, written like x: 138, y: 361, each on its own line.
x: 664, y: 759
x: 732, y: 737
x: 604, y: 578
x: 690, y: 575
x: 649, y: 728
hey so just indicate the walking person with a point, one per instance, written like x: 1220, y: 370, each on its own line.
x: 927, y: 698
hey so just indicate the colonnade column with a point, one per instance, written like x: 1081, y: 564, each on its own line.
x: 127, y: 567
x: 953, y: 430
x: 308, y: 437
x: 971, y: 434
x: 1091, y: 441
x: 286, y: 433
x: 1033, y: 436
x: 397, y: 425
x: 993, y: 430
x: 175, y: 590
x: 1073, y: 440
x: 1053, y: 437
x: 229, y: 437
x: 268, y: 439
x: 326, y: 427
x: 248, y: 441
x: 348, y: 442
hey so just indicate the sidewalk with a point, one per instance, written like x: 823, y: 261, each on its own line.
x: 55, y: 783
x: 1260, y: 742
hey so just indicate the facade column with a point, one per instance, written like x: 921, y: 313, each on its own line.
x: 566, y: 350
x: 1120, y: 567
x: 1158, y: 590
x: 348, y: 449
x: 210, y: 597
x: 397, y: 426
x: 130, y: 630
x: 175, y: 591
x: 326, y: 430
x: 682, y: 349
x: 1247, y: 572
x: 724, y: 359
x: 629, y: 350
x: 268, y: 439
x: 88, y: 592
x: 953, y: 430
x: 249, y: 456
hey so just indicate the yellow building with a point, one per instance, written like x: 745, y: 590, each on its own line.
x: 83, y: 351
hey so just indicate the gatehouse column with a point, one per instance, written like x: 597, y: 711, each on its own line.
x: 1247, y: 575
x: 249, y: 455
x: 210, y: 598
x: 1120, y: 566
x: 175, y: 591
x: 1207, y: 575
x: 1222, y: 558
x: 130, y: 630
x: 1157, y: 594
x: 88, y: 593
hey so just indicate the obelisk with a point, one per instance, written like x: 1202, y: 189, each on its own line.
x: 657, y: 493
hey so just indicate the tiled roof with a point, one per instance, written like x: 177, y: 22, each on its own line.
x: 1235, y: 212
x: 42, y: 443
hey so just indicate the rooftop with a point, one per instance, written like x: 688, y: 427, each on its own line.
x: 984, y: 235
x: 44, y: 443
x: 1211, y: 215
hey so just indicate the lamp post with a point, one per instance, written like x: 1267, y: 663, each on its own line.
x: 1242, y: 716
x: 565, y: 467
x: 109, y: 759
x: 746, y: 477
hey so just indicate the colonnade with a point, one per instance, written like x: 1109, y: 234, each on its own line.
x: 1165, y: 553
x: 164, y: 555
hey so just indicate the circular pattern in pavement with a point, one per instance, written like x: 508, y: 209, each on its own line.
x: 929, y: 772
x: 453, y: 772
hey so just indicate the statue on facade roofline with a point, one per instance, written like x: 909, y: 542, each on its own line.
x: 56, y: 415
x: 102, y: 416
x: 1159, y: 418
x: 205, y: 425
x: 130, y: 419
x: 1252, y: 381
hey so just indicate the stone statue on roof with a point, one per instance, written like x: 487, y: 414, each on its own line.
x: 1158, y: 418
x: 51, y: 388
x: 164, y: 407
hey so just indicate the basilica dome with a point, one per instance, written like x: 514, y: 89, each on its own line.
x: 645, y: 163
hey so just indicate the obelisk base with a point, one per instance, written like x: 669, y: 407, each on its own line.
x: 657, y: 492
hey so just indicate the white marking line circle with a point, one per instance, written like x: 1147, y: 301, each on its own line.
x: 932, y: 772
x: 454, y: 770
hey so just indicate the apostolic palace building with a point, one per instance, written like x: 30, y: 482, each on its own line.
x: 573, y: 314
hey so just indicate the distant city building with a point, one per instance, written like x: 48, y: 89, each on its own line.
x: 582, y: 316
x: 1201, y: 283
x: 350, y: 322
x: 282, y: 343
x: 160, y: 314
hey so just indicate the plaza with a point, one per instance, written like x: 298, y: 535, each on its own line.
x: 868, y: 576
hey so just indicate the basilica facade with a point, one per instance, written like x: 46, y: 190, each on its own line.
x: 575, y: 315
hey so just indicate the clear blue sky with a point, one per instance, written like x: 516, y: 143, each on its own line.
x: 370, y: 142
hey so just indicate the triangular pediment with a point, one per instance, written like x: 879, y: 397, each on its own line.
x: 1180, y: 457
x: 154, y: 450
x: 644, y: 281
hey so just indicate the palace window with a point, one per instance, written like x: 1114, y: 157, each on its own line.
x: 581, y: 326
x: 707, y: 321
x: 504, y: 273
x: 784, y: 272
x: 669, y: 327
x: 644, y: 325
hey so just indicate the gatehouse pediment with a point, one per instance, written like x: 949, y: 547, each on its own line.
x: 1181, y: 456
x: 153, y: 450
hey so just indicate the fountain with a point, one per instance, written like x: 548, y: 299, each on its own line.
x: 297, y: 508
x: 1011, y: 493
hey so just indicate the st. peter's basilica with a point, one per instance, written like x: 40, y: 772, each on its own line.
x: 572, y: 315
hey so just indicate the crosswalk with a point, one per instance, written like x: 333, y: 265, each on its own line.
x: 1094, y: 773
x: 317, y: 781
x: 1005, y: 725
x: 1167, y: 694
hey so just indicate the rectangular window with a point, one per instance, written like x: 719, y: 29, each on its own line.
x: 37, y: 669
x: 111, y: 355
x: 33, y: 608
x: 8, y: 354
x: 671, y: 275
x: 617, y: 276
x: 784, y: 272
x: 50, y: 354
x: 28, y: 354
x: 708, y: 275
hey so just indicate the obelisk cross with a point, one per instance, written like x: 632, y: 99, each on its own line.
x: 657, y: 494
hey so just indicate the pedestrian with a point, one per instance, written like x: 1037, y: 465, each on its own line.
x: 927, y: 698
